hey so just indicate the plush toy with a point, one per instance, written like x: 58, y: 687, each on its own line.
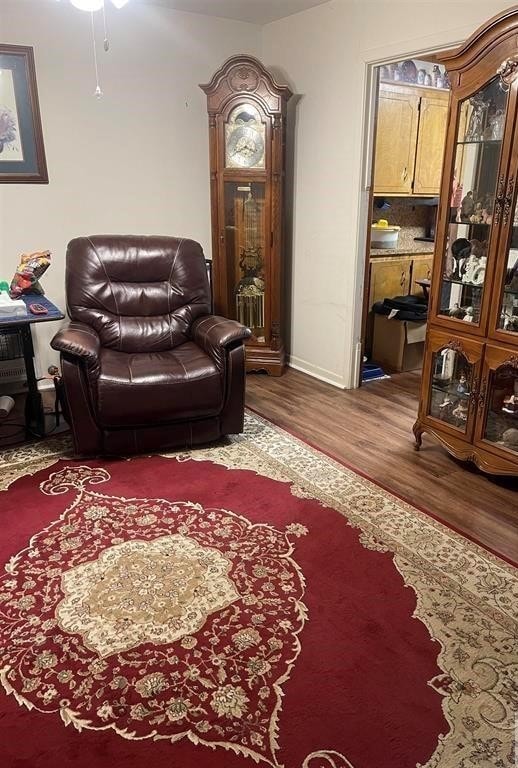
x: 28, y: 272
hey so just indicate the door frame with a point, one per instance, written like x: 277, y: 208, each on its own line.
x: 366, y: 193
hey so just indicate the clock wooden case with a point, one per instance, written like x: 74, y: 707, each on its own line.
x: 247, y: 129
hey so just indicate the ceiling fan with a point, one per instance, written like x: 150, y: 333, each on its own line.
x: 95, y: 5
x: 91, y: 6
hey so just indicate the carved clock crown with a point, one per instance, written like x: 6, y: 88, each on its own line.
x: 244, y: 75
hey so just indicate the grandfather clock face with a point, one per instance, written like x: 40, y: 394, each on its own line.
x: 245, y: 138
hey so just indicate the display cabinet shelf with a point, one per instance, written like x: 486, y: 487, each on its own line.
x: 469, y: 394
x: 452, y: 281
x: 479, y: 142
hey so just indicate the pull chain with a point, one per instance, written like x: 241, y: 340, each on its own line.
x: 106, y: 41
x: 98, y: 91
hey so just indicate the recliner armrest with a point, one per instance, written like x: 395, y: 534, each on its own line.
x: 78, y: 340
x: 215, y: 334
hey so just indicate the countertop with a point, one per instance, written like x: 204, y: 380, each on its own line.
x: 417, y: 246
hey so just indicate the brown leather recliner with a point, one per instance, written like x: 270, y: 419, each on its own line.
x: 145, y: 365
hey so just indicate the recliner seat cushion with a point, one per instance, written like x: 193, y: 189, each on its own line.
x: 156, y: 387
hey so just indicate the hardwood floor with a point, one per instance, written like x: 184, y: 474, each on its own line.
x: 371, y: 429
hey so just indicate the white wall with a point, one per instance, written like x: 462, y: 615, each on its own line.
x: 324, y: 53
x: 135, y: 161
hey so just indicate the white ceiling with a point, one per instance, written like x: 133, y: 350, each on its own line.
x: 254, y: 11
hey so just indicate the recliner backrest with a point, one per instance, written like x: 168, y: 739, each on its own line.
x: 140, y: 293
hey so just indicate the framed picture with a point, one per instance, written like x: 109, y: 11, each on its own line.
x: 22, y: 154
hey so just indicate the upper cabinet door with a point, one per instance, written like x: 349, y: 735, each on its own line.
x: 473, y: 190
x: 433, y: 117
x: 503, y: 323
x: 396, y: 137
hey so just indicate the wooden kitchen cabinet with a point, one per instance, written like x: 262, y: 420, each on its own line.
x: 433, y: 115
x: 421, y: 270
x: 389, y: 276
x: 396, y: 140
x: 410, y: 134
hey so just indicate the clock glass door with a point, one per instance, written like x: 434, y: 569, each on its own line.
x: 475, y: 185
x: 245, y: 248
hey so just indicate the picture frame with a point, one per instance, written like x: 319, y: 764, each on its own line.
x: 22, y: 152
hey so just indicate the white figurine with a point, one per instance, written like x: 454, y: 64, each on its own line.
x: 470, y: 268
x: 480, y: 272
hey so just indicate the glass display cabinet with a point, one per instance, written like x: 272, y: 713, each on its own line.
x: 247, y: 125
x: 469, y: 395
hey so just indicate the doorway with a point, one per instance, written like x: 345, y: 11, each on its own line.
x: 410, y: 117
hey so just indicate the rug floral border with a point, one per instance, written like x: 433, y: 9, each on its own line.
x: 466, y: 597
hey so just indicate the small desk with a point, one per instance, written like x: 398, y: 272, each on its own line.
x: 33, y: 405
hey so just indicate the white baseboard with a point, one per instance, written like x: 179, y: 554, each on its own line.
x: 316, y: 371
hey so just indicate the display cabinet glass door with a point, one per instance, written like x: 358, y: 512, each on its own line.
x: 504, y: 310
x: 475, y: 196
x: 452, y: 369
x: 497, y: 423
x: 246, y: 254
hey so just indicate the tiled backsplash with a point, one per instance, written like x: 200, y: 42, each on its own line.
x: 413, y: 220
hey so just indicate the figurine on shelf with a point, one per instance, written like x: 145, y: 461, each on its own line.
x: 508, y: 322
x: 487, y: 216
x: 510, y: 439
x: 460, y: 412
x: 479, y: 248
x: 479, y: 273
x: 477, y: 217
x: 511, y: 401
x: 409, y: 71
x: 469, y: 316
x: 462, y: 385
x: 496, y: 125
x: 460, y: 251
x: 445, y: 408
x: 470, y: 268
x: 476, y: 120
x: 467, y: 207
x: 436, y: 75
x: 457, y: 312
x: 446, y: 80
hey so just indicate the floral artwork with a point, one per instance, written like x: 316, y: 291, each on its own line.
x: 10, y: 141
x: 22, y: 152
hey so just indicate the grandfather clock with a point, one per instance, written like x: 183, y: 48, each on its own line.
x: 247, y: 126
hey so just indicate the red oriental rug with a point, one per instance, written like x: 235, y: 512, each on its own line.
x: 254, y: 602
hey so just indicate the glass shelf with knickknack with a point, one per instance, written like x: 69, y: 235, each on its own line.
x: 450, y: 390
x: 501, y: 426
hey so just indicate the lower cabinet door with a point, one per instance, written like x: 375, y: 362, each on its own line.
x: 390, y: 276
x: 451, y: 378
x: 497, y: 420
x: 421, y: 270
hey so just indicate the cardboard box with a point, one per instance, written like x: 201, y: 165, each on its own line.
x: 398, y: 344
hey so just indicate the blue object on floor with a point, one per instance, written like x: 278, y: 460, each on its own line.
x: 371, y: 372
